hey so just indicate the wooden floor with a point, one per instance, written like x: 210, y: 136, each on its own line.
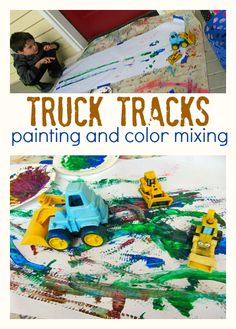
x: 215, y: 73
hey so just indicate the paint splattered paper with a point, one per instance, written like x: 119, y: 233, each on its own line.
x: 138, y: 55
x: 27, y: 182
x: 188, y: 77
x: 141, y: 273
x: 80, y: 165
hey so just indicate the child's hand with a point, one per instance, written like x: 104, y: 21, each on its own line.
x: 45, y: 60
x: 50, y: 47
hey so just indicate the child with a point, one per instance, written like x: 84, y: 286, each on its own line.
x: 33, y: 59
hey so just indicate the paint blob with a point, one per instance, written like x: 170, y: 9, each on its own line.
x: 27, y: 183
x: 78, y: 162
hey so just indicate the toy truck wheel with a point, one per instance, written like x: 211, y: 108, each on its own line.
x: 175, y: 47
x: 184, y: 44
x: 58, y: 239
x: 93, y: 236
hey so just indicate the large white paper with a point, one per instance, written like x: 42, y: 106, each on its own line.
x: 136, y: 56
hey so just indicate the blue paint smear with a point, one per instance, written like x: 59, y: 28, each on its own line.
x: 95, y: 160
x: 157, y: 52
x: 178, y: 204
x: 184, y: 60
x: 151, y: 262
x: 20, y: 260
x: 221, y: 248
x: 86, y: 77
x: 154, y: 43
x: 104, y: 85
x: 171, y: 91
x: 178, y: 17
x: 112, y: 242
x: 120, y: 43
x: 49, y: 162
x: 145, y: 60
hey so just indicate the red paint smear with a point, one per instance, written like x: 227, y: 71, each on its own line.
x: 159, y: 84
x: 126, y: 243
x: 98, y: 299
x: 118, y: 303
x: 34, y: 249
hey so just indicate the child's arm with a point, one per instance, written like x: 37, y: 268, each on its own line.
x: 28, y: 75
x: 50, y: 46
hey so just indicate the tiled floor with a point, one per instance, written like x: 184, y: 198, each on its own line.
x: 216, y: 74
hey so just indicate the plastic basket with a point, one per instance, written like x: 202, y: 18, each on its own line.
x: 215, y: 31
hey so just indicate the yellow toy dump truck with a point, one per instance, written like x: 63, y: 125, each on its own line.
x: 205, y: 240
x: 151, y: 191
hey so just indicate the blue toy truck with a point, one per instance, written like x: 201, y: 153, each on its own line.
x: 182, y: 39
x: 80, y: 212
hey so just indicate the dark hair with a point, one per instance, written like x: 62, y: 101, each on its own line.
x: 18, y: 40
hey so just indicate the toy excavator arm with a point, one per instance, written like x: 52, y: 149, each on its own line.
x: 50, y: 199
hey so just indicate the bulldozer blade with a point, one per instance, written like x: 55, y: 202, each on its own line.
x: 38, y: 227
x: 200, y: 262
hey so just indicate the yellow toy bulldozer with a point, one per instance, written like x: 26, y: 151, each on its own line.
x: 152, y: 193
x: 205, y: 240
x: 189, y: 36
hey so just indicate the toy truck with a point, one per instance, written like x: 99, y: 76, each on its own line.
x: 182, y: 39
x: 173, y: 58
x: 79, y: 212
x: 152, y: 192
x: 205, y: 240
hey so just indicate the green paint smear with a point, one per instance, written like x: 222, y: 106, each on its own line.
x: 74, y: 162
x: 50, y: 263
x: 158, y: 304
x: 181, y: 299
x: 88, y: 71
x: 78, y: 180
x: 193, y: 284
x: 185, y: 272
x: 21, y: 213
x: 128, y: 58
x: 176, y: 242
x: 146, y: 53
x: 171, y: 70
x: 109, y: 182
x: 187, y: 197
x: 54, y: 191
